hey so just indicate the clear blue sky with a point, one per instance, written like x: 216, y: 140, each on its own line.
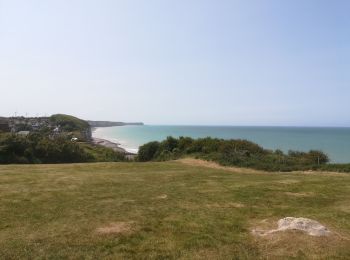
x: 263, y: 62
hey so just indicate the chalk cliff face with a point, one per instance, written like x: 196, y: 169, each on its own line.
x: 109, y: 123
x: 88, y: 134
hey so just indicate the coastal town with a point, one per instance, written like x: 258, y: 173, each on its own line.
x: 55, y: 126
x: 17, y: 124
x: 25, y: 125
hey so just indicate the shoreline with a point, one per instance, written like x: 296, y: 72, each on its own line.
x: 109, y: 144
x: 115, y: 146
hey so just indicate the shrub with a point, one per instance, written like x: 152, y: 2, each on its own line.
x: 169, y: 144
x: 317, y: 157
x: 240, y: 153
x: 39, y: 148
x: 148, y: 151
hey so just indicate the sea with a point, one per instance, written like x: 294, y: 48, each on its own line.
x: 334, y: 141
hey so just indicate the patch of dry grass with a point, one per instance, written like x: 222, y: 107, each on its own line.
x: 214, y: 165
x: 116, y: 228
x: 300, y: 194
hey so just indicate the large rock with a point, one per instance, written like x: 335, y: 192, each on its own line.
x: 309, y: 226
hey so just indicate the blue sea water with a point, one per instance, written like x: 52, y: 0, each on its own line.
x: 333, y: 141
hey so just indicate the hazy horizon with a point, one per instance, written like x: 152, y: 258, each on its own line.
x: 228, y: 63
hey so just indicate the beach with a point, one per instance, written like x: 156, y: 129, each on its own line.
x: 109, y: 144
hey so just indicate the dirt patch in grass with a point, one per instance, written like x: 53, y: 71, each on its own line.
x: 162, y: 197
x: 117, y: 228
x: 116, y: 202
x: 213, y: 190
x: 289, y: 181
x: 300, y: 194
x: 214, y: 165
x: 226, y: 205
x: 195, y: 206
x: 210, y: 254
x: 343, y: 206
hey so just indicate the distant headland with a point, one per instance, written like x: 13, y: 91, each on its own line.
x: 110, y: 123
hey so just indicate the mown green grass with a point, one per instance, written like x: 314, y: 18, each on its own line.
x: 53, y: 211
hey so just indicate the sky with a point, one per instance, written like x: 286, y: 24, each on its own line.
x: 190, y: 62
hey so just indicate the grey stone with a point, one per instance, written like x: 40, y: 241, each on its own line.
x: 312, y: 227
x: 309, y: 226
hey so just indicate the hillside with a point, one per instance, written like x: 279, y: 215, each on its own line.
x: 167, y: 210
x: 69, y: 123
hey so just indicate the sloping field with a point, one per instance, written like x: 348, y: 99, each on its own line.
x: 169, y: 210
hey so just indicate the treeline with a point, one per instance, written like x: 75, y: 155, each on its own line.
x: 41, y: 148
x: 241, y: 153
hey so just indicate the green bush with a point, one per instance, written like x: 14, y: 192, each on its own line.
x: 103, y: 154
x: 39, y: 148
x: 169, y: 144
x: 240, y: 153
x: 147, y: 152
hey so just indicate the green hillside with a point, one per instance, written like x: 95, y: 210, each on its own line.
x: 69, y: 123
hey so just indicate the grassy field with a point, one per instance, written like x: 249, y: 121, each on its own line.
x: 168, y: 210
